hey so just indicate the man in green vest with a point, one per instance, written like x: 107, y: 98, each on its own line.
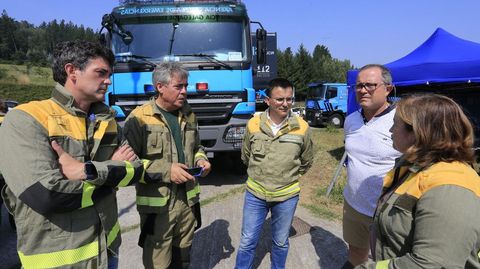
x: 64, y: 164
x: 165, y: 132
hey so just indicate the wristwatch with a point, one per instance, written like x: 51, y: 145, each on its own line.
x: 90, y: 170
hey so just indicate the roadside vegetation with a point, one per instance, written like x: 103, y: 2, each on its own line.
x: 329, y: 148
x: 23, y: 83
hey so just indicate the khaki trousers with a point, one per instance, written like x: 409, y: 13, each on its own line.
x: 169, y: 245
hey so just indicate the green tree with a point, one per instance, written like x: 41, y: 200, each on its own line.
x: 303, y: 72
x: 285, y: 63
x: 23, y: 42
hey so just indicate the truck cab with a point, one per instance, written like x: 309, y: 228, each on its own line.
x: 212, y: 41
x: 263, y: 73
x: 326, y: 103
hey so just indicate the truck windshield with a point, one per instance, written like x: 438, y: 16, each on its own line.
x: 316, y: 92
x: 225, y: 41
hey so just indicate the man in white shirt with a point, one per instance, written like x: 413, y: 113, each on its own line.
x: 370, y: 154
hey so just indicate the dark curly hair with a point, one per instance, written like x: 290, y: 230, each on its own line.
x: 78, y: 53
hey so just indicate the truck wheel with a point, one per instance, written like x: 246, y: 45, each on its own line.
x: 336, y: 120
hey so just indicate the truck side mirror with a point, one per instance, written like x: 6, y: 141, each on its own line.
x: 261, y: 35
x: 127, y: 37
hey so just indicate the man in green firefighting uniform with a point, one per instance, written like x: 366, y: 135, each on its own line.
x: 64, y: 165
x: 165, y: 131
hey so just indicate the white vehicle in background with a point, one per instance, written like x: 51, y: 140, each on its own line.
x: 299, y: 111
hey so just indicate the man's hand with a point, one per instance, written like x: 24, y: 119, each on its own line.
x: 207, y: 167
x: 72, y: 169
x: 178, y: 174
x: 124, y: 153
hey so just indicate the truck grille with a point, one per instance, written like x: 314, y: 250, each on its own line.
x: 215, y: 108
x: 210, y: 108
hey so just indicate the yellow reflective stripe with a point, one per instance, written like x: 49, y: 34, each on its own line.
x: 112, y: 235
x: 152, y: 201
x: 129, y: 175
x: 87, y: 193
x: 290, y: 189
x: 59, y: 258
x: 146, y: 163
x: 193, y: 192
x: 382, y: 264
x: 200, y: 154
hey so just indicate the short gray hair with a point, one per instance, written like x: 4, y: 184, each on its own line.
x: 164, y: 72
x: 386, y: 74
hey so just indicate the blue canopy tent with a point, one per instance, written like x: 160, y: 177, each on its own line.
x: 442, y: 62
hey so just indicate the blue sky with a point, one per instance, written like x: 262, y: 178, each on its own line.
x: 368, y: 31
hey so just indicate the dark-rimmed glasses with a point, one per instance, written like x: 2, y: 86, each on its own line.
x: 368, y: 86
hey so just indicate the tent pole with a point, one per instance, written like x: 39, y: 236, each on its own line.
x: 337, y: 173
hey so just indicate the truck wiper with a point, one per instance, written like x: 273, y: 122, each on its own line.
x: 129, y: 57
x: 209, y: 57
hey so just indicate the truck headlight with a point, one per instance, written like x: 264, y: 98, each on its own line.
x: 317, y: 114
x: 234, y: 134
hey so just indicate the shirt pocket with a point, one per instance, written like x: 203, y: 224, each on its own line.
x: 154, y: 145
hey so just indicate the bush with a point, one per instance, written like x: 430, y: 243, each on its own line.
x: 25, y: 93
x: 3, y: 73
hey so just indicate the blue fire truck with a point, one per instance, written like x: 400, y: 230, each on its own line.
x: 326, y: 103
x: 210, y: 38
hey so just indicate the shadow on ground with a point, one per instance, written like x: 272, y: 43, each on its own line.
x: 337, y: 153
x: 211, y: 245
x: 331, y: 250
x: 226, y: 170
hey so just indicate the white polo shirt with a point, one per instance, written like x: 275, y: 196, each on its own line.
x: 370, y: 155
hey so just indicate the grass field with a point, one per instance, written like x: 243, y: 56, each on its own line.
x: 23, y: 83
x: 329, y: 148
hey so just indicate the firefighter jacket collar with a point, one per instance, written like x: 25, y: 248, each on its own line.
x: 63, y: 97
x: 292, y: 124
x: 184, y: 110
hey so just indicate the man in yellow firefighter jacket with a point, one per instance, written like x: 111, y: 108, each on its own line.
x: 64, y: 164
x: 277, y: 149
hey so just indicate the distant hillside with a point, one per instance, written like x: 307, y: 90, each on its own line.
x: 23, y: 83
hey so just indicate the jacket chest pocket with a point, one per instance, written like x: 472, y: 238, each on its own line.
x: 290, y: 145
x: 399, y: 219
x: 69, y: 135
x: 260, y: 147
x: 155, y: 136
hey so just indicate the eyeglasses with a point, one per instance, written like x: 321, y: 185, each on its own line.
x: 280, y: 101
x: 368, y: 86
